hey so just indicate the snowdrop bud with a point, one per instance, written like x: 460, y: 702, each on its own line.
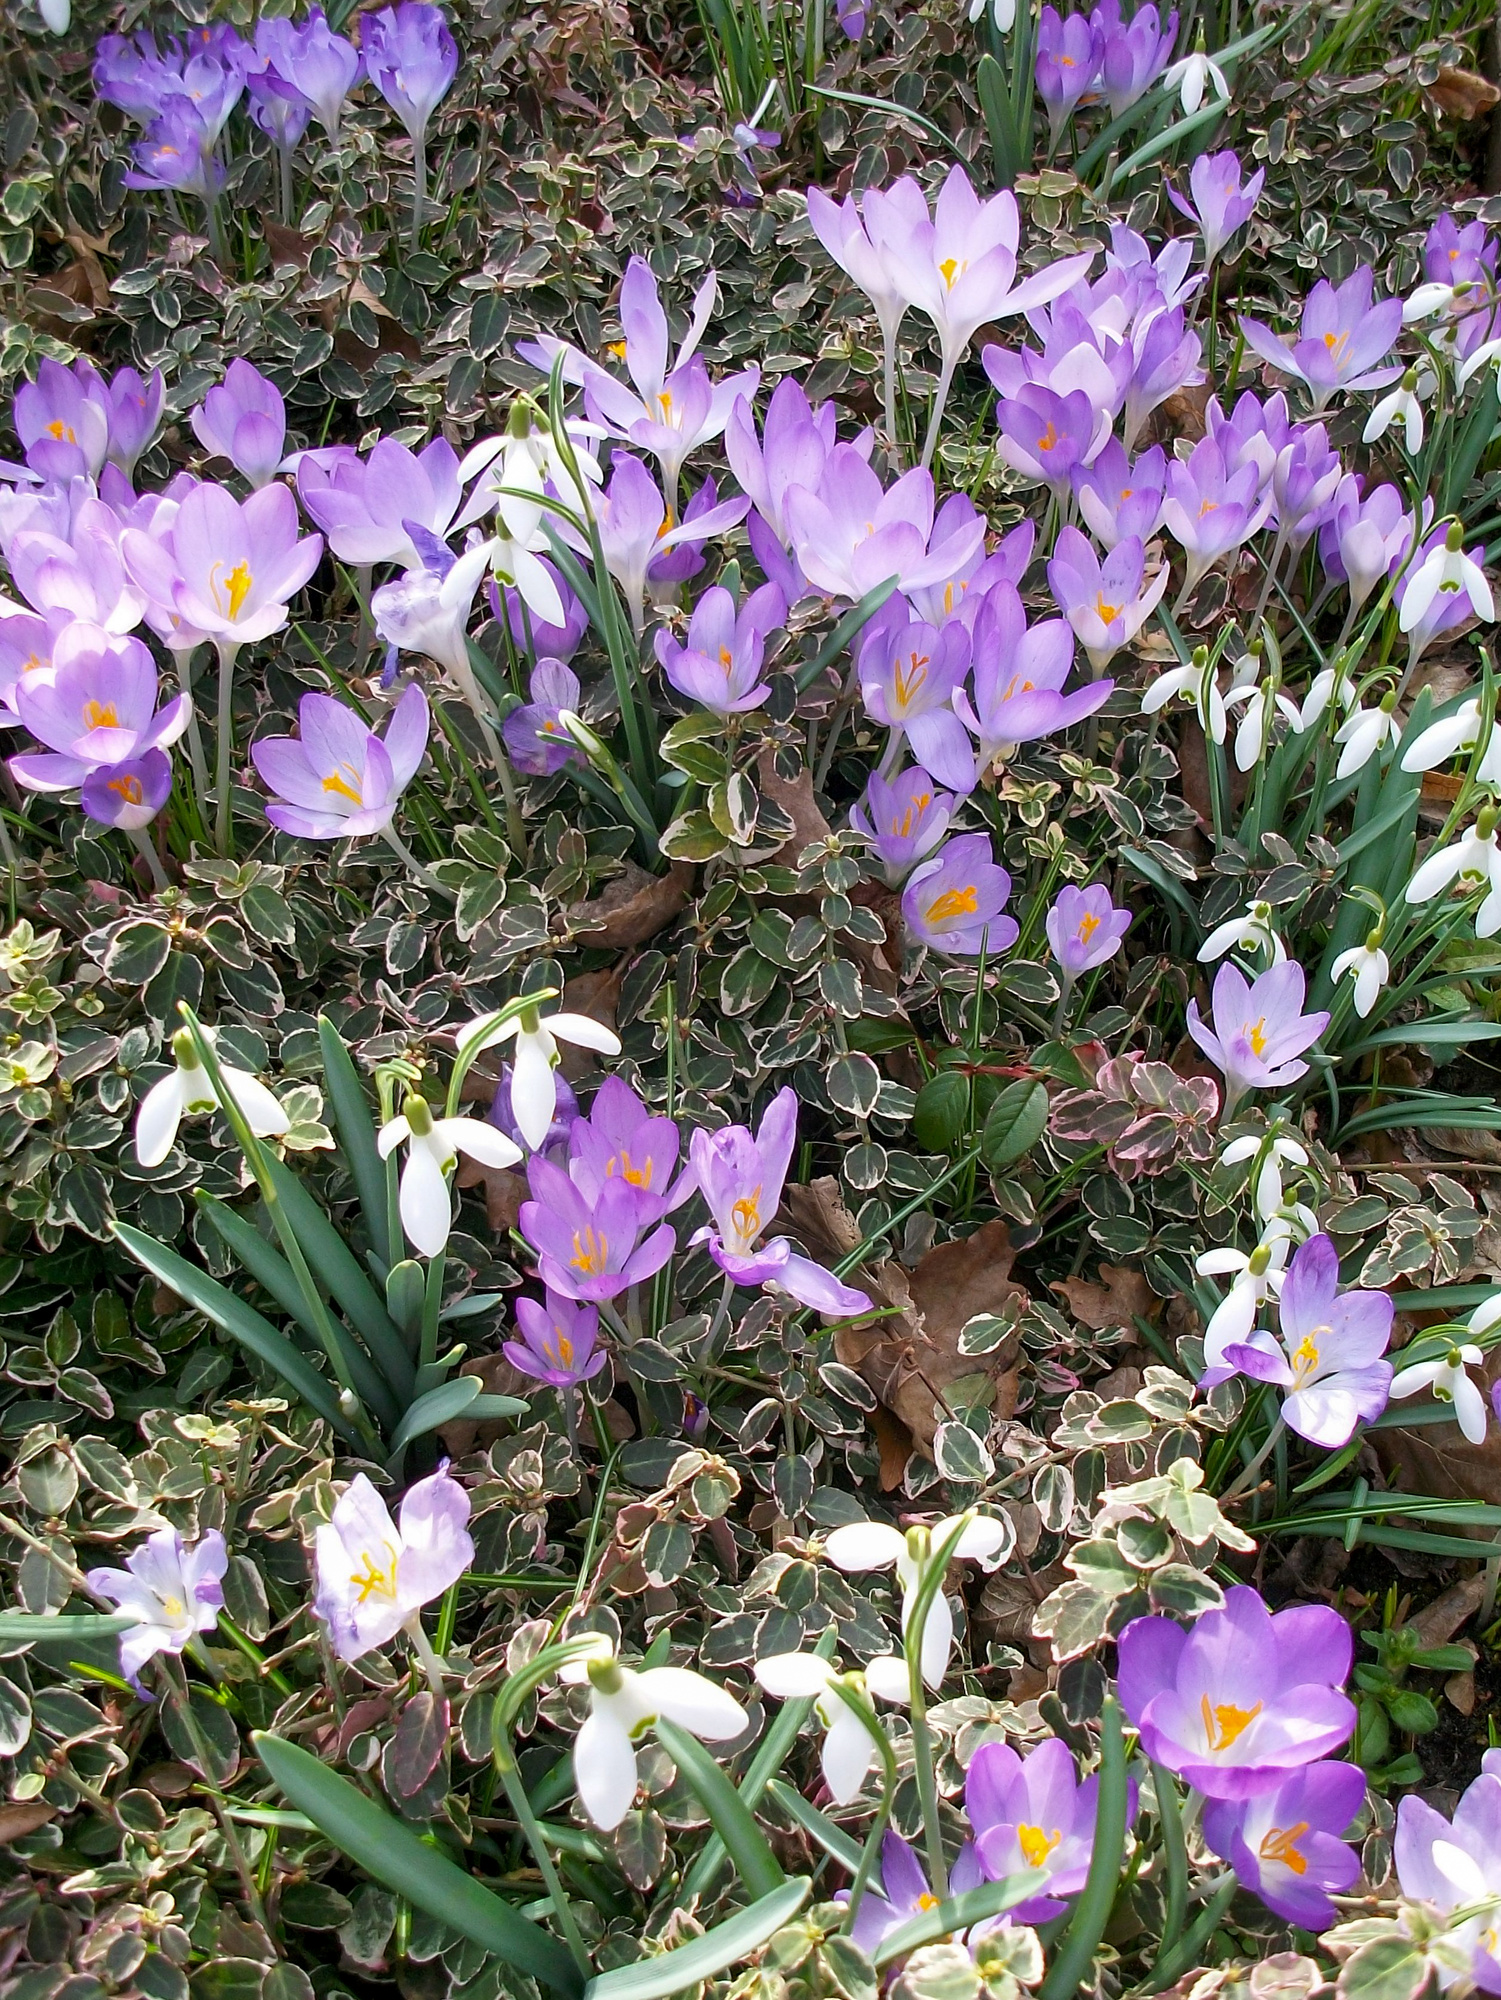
x: 1485, y: 822
x: 1259, y: 1260
x: 605, y: 1673
x: 184, y: 1051
x: 1454, y: 539
x: 349, y: 1404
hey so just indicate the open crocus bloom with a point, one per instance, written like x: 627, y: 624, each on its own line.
x: 1033, y: 1813
x: 623, y: 1704
x: 1342, y: 338
x: 1454, y: 1864
x: 1085, y: 928
x: 851, y: 534
x: 558, y: 1342
x: 620, y: 1139
x: 97, y: 706
x: 848, y: 1751
x: 187, y: 1088
x: 904, y: 1893
x: 174, y: 1588
x: 1106, y: 603
x: 1260, y: 1029
x: 226, y: 567
x: 1285, y: 1845
x: 874, y: 1545
x: 1019, y: 672
x: 366, y: 507
x: 591, y: 1241
x: 1244, y: 1698
x: 432, y: 1146
x: 720, y: 665
x: 904, y: 820
x: 340, y: 779
x: 374, y: 1576
x: 955, y: 902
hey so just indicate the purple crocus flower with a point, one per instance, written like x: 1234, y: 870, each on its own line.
x: 1220, y: 203
x: 1304, y: 479
x: 953, y: 903
x: 277, y: 107
x: 1085, y: 928
x: 961, y: 595
x: 173, y: 1588
x: 534, y: 736
x: 226, y: 567
x: 1259, y: 1030
x: 1106, y: 603
x: 1209, y: 509
x: 1019, y: 674
x: 1045, y: 435
x: 1133, y: 54
x: 793, y: 448
x: 135, y: 412
x: 534, y: 637
x: 908, y: 675
x: 324, y: 66
x: 904, y: 819
x: 96, y: 707
x: 849, y: 535
x: 1165, y: 356
x: 1332, y: 1342
x: 1456, y: 253
x: 620, y: 1139
x: 129, y: 794
x: 1253, y: 433
x: 82, y: 577
x: 1033, y: 1812
x: 1120, y: 498
x: 740, y: 1175
x: 26, y: 643
x: 62, y: 420
x: 1341, y: 341
x: 369, y: 507
x: 1285, y: 1845
x: 375, y: 1574
x: 337, y: 778
x: 851, y: 16
x: 1365, y: 536
x: 178, y: 153
x: 636, y: 526
x: 1242, y: 1699
x: 720, y: 666
x: 244, y: 420
x: 590, y: 1245
x: 412, y: 59
x: 212, y: 81
x: 129, y: 71
x: 1068, y: 61
x: 558, y: 1342
x: 904, y: 1893
x: 1454, y: 1863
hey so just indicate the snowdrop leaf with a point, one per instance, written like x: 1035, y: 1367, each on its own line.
x: 18, y: 1628
x: 725, y: 1945
x: 732, y: 1818
x: 455, y: 1398
x: 356, y: 1132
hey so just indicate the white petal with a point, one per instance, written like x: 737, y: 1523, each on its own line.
x: 1220, y: 1263
x: 1408, y: 1381
x: 158, y: 1119
x: 584, y: 1032
x: 848, y: 1753
x: 692, y: 1702
x: 886, y: 1675
x: 1463, y: 1871
x: 983, y: 1536
x: 262, y: 1110
x: 604, y: 1769
x: 1234, y: 1153
x: 480, y: 1141
x: 534, y: 1090
x: 1469, y: 1408
x: 1485, y: 1314
x: 865, y: 1545
x: 937, y: 1641
x: 391, y: 1136
x: 790, y: 1675
x: 426, y: 1210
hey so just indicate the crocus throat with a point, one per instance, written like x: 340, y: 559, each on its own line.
x: 129, y: 789
x: 61, y: 431
x: 954, y: 903
x: 344, y: 780
x: 378, y: 1580
x: 927, y: 1900
x: 1255, y: 1032
x: 637, y: 1176
x: 590, y: 1250
x: 235, y: 587
x: 1107, y: 613
x: 1281, y: 1845
x: 1049, y: 438
x: 100, y: 715
x: 1224, y: 1723
x: 1036, y: 1845
x: 909, y: 679
x: 1089, y: 923
x: 1306, y: 1358
x: 745, y: 1217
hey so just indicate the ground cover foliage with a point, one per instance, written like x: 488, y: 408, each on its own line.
x: 748, y: 1135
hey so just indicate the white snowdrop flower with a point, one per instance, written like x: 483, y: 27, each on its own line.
x: 623, y: 1704
x: 1328, y: 685
x: 848, y: 1750
x: 873, y: 1545
x: 1002, y: 12
x: 1445, y: 738
x: 1189, y: 78
x: 1264, y: 701
x: 1447, y: 1379
x: 1362, y: 734
x: 1250, y: 932
x: 1478, y: 358
x: 1197, y: 684
x: 1255, y: 1276
x: 1278, y: 1152
x: 1471, y: 859
x: 534, y: 1089
x: 187, y: 1088
x: 1402, y: 404
x: 432, y: 1146
x: 1372, y: 970
x: 1447, y: 568
x: 1485, y: 1315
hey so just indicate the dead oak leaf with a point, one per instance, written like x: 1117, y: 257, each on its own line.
x: 1119, y: 1299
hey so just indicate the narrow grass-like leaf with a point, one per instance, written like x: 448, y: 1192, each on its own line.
x: 834, y: 1841
x: 957, y: 1913
x: 849, y: 626
x: 731, y: 1817
x: 736, y: 1938
x: 394, y: 1855
x: 241, y: 1322
x: 1077, y: 1946
x: 355, y: 1127
x: 1423, y: 1108
x: 449, y: 1400
x: 19, y: 1628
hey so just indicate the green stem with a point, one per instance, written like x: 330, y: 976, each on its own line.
x: 1092, y: 1911
x: 527, y: 1820
x: 224, y: 747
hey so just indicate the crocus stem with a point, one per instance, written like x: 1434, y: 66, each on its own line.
x: 1250, y: 1472
x: 945, y: 380
x: 888, y: 383
x: 216, y: 232
x: 423, y: 874
x: 527, y: 1820
x: 224, y: 747
x: 141, y: 842
x: 196, y: 757
x: 285, y: 162
x: 432, y: 1666
x: 1065, y: 995
x: 419, y: 183
x: 178, y: 1681
x: 721, y: 1314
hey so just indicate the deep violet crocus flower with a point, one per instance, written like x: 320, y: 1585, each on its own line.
x: 1106, y: 603
x: 337, y: 778
x: 719, y: 666
x: 1033, y: 1812
x: 1341, y: 341
x: 1045, y: 435
x: 1454, y: 1863
x: 621, y: 1140
x: 244, y: 420
x: 1119, y: 497
x: 850, y: 534
x: 1068, y: 61
x: 1260, y: 1029
x: 1019, y: 671
x: 590, y: 1245
x: 559, y: 1342
x: 324, y: 66
x: 367, y: 507
x: 97, y: 707
x: 1285, y: 1845
x: 909, y: 673
x: 1244, y: 1698
x: 174, y: 1589
x: 178, y: 152
x: 904, y: 1893
x: 62, y: 420
x: 535, y: 738
x: 1085, y: 928
x: 1220, y: 202
x: 954, y: 903
x: 1329, y: 1360
x: 1209, y: 509
x: 129, y: 794
x: 740, y: 1175
x: 904, y: 819
x: 1133, y: 54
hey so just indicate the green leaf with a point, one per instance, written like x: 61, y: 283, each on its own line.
x: 732, y: 1818
x: 449, y: 1400
x: 736, y: 1938
x: 957, y: 1913
x: 1014, y: 1123
x: 350, y: 1110
x: 241, y: 1322
x: 19, y: 1628
x: 1076, y: 1948
x: 395, y: 1856
x: 941, y: 1113
x: 856, y: 619
x: 834, y: 1841
x: 995, y: 103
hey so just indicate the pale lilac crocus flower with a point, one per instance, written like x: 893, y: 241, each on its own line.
x: 1220, y: 203
x: 535, y: 737
x: 904, y: 820
x: 1209, y: 509
x: 719, y: 666
x: 367, y: 506
x: 427, y: 611
x: 1119, y: 497
x: 1045, y: 436
x: 244, y: 420
x: 1453, y: 1864
x: 374, y: 1576
x: 178, y: 153
x: 741, y: 1175
x: 62, y: 420
x: 1106, y: 603
x: 636, y: 526
x: 135, y: 415
x: 1165, y: 357
x: 1019, y: 672
x: 1285, y: 1845
x: 336, y: 778
x: 1085, y: 928
x: 96, y: 707
x: 855, y: 243
x: 1341, y: 342
x: 962, y: 595
x: 1260, y: 1030
x: 793, y: 449
x: 173, y: 1588
x: 82, y: 577
x: 129, y: 794
x: 909, y: 673
x: 226, y: 566
x: 1364, y: 537
x: 850, y: 535
x: 953, y: 903
x: 324, y: 66
x: 559, y: 1342
x: 904, y: 1893
x: 620, y: 1139
x: 1033, y: 1812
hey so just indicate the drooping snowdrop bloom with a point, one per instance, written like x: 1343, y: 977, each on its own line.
x: 1264, y: 701
x: 1447, y: 571
x: 1402, y: 405
x: 1342, y: 339
x: 1275, y: 1152
x: 848, y: 1751
x: 187, y: 1088
x: 1255, y: 1276
x: 1444, y: 739
x: 1220, y: 204
x: 862, y: 1545
x: 518, y: 474
x: 955, y: 902
x: 1085, y: 929
x: 1197, y: 682
x: 1285, y: 1845
x: 559, y: 1342
x: 1447, y: 1378
x: 1106, y: 603
x: 740, y: 1175
x: 623, y: 1704
x: 337, y: 778
x: 1363, y: 734
x: 433, y: 1144
x: 173, y: 1588
x: 1260, y: 1029
x: 534, y: 1091
x: 1472, y: 861
x: 1329, y: 1359
x: 1252, y: 931
x: 1372, y: 970
x: 375, y: 1574
x: 1191, y: 76
x: 244, y: 420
